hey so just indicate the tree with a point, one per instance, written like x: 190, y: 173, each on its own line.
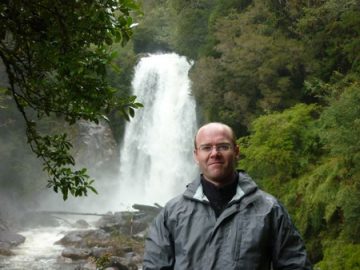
x: 282, y: 145
x: 341, y: 124
x: 153, y: 31
x: 190, y: 29
x: 56, y: 54
x: 258, y: 69
x: 330, y: 31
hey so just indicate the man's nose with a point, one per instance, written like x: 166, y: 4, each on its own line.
x: 214, y: 151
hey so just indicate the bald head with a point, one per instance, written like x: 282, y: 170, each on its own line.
x: 215, y: 125
x: 216, y: 153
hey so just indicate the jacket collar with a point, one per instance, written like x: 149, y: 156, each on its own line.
x: 245, y: 186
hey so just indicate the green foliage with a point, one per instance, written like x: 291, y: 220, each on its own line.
x: 55, y: 152
x: 55, y: 55
x: 154, y: 30
x: 121, y: 79
x: 331, y: 30
x: 341, y: 122
x: 348, y: 198
x: 103, y: 261
x: 117, y: 243
x: 259, y: 69
x: 309, y: 164
x: 340, y: 255
x: 282, y: 145
x: 318, y: 207
x: 190, y: 35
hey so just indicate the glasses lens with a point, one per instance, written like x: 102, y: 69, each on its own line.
x: 223, y: 147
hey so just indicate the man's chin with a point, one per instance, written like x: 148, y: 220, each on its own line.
x: 218, y: 177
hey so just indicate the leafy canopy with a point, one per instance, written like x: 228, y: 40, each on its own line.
x: 56, y: 54
x: 282, y: 145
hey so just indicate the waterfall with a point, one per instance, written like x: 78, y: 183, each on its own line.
x: 156, y: 159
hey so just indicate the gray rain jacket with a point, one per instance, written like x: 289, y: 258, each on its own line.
x: 254, y: 232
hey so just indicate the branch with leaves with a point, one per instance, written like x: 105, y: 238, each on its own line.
x: 56, y: 55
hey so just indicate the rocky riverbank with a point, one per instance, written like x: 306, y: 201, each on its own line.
x: 114, y: 241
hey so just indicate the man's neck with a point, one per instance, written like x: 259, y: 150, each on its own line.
x: 219, y: 183
x: 219, y: 196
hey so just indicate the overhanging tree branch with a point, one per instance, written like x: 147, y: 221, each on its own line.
x: 55, y: 54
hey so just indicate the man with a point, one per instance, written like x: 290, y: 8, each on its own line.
x: 223, y: 220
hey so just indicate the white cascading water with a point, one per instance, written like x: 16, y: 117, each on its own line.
x: 156, y: 159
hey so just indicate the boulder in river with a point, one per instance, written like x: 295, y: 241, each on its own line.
x: 83, y: 238
x: 9, y: 240
x: 76, y: 253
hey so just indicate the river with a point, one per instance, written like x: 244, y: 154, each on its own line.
x: 39, y: 252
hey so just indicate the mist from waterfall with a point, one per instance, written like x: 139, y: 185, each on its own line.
x: 156, y: 159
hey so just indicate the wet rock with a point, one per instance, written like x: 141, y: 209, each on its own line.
x: 96, y: 146
x: 99, y: 235
x: 112, y: 244
x: 121, y: 263
x: 98, y: 252
x: 13, y: 239
x: 76, y: 253
x: 71, y: 238
x: 5, y: 245
x: 133, y: 258
x: 148, y: 209
x: 5, y: 249
x: 128, y: 223
x: 6, y: 252
x: 119, y: 221
x: 87, y: 266
x: 9, y: 240
x: 83, y: 238
x: 81, y: 224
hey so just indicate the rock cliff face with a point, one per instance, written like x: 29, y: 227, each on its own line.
x: 95, y: 146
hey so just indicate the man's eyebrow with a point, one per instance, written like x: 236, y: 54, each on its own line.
x: 216, y: 143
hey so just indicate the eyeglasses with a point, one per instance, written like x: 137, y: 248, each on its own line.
x: 222, y: 147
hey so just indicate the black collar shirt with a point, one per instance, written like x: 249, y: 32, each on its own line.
x: 219, y: 197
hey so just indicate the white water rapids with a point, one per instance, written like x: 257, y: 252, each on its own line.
x: 155, y: 159
x: 39, y: 252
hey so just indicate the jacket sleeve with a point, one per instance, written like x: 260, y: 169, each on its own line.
x: 159, y: 248
x: 288, y: 248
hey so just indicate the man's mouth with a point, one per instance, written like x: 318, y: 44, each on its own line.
x: 216, y: 163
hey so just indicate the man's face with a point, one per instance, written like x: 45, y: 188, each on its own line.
x: 213, y: 155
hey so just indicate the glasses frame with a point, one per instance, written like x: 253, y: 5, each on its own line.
x: 220, y: 147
